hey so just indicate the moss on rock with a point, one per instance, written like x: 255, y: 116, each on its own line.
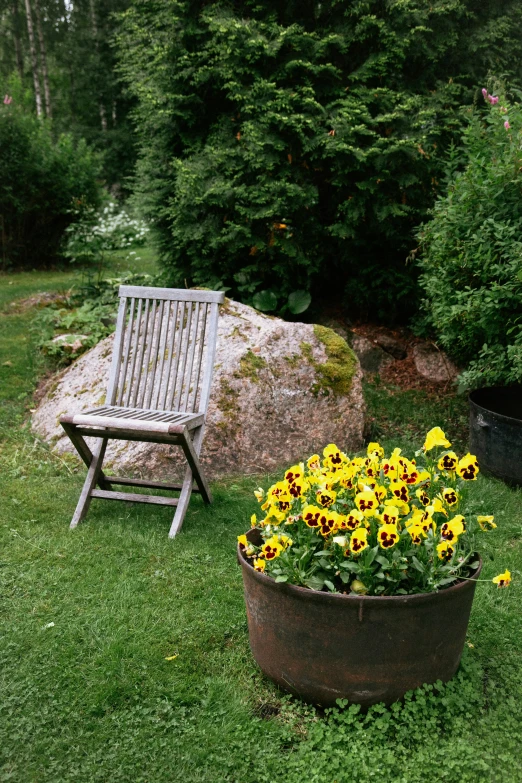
x: 249, y: 366
x: 336, y: 374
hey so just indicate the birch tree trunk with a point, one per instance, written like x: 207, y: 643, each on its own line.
x: 34, y: 59
x: 43, y: 57
x: 95, y: 33
x: 17, y: 40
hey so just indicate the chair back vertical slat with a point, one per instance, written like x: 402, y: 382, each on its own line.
x: 180, y: 380
x: 209, y: 359
x: 170, y: 335
x: 177, y: 350
x: 140, y: 349
x: 126, y: 383
x: 199, y: 361
x: 185, y: 392
x: 164, y: 349
x: 116, y: 352
x: 164, y: 330
x: 155, y: 341
x: 118, y: 398
x: 148, y: 353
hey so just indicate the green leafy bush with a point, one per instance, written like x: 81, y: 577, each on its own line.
x: 293, y: 146
x: 110, y: 229
x: 66, y: 330
x: 45, y: 186
x: 472, y: 250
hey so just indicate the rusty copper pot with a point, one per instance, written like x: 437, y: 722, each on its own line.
x: 367, y: 649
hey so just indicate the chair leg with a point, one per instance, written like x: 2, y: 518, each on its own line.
x: 191, y: 452
x: 191, y: 449
x: 83, y: 450
x: 90, y: 483
x: 183, y: 501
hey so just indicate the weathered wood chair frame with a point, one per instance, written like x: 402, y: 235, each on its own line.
x: 158, y: 392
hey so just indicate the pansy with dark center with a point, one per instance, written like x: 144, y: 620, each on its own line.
x: 311, y: 515
x: 448, y: 462
x: 468, y: 467
x: 400, y: 490
x: 326, y: 497
x: 450, y: 496
x: 358, y: 541
x: 388, y: 536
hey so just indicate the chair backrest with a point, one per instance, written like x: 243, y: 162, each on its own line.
x: 164, y: 349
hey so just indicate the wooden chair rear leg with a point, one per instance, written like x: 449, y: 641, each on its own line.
x: 192, y: 456
x: 188, y: 482
x: 90, y: 483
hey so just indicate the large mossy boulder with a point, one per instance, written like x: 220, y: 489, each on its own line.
x: 280, y: 391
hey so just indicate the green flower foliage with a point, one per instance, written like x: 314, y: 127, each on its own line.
x: 291, y: 146
x: 472, y: 251
x: 45, y: 186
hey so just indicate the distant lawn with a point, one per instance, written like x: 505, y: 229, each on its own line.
x: 89, y: 617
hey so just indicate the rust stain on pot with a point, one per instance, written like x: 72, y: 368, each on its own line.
x: 328, y: 646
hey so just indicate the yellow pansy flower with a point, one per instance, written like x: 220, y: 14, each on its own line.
x: 448, y: 462
x: 294, y: 473
x: 314, y: 462
x: 298, y: 488
x: 423, y: 496
x: 253, y: 520
x: 388, y: 536
x: 260, y: 494
x: 390, y: 515
x: 326, y: 497
x: 245, y: 546
x: 375, y: 450
x: 358, y: 541
x: 445, y: 550
x: 400, y: 490
x: 285, y: 541
x: 352, y: 520
x: 502, y: 580
x: 436, y: 437
x: 417, y: 533
x: 366, y: 502
x: 451, y: 530
x: 259, y: 564
x: 451, y: 496
x: 486, y: 523
x: 271, y: 548
x: 438, y: 508
x: 329, y: 522
x: 345, y: 477
x: 311, y: 516
x: 468, y: 467
x: 333, y: 456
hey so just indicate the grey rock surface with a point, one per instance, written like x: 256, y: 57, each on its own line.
x: 280, y: 392
x: 433, y: 364
x: 371, y: 357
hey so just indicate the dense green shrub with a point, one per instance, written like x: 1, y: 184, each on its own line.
x: 289, y: 146
x: 45, y: 186
x: 472, y: 250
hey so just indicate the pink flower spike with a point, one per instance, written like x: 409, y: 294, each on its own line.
x: 492, y: 99
x: 7, y: 100
x: 485, y: 93
x: 507, y: 126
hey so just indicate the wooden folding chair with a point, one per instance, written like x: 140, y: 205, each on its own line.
x: 158, y: 392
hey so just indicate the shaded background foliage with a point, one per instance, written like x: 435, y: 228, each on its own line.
x: 297, y: 146
x: 471, y: 258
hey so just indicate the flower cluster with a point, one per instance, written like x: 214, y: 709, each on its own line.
x: 377, y: 525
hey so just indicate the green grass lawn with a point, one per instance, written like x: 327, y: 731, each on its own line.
x: 89, y: 618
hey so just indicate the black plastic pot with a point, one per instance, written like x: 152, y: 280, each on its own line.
x: 367, y: 649
x: 495, y: 422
